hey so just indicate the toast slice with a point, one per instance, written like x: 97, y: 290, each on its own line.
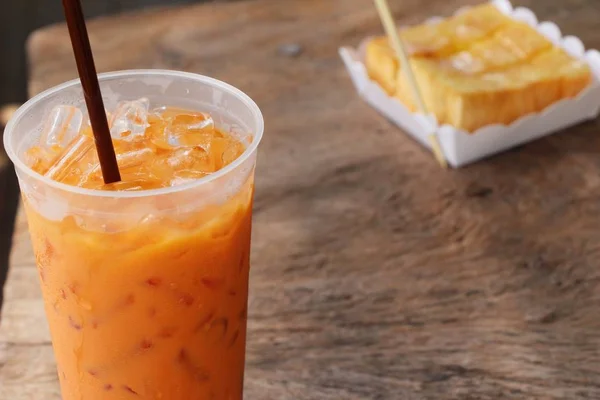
x: 487, y: 69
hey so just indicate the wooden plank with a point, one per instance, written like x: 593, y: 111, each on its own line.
x: 28, y: 372
x: 375, y: 274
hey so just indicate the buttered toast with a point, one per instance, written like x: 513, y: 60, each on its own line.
x: 478, y: 68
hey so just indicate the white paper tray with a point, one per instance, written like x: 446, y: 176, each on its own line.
x: 461, y: 148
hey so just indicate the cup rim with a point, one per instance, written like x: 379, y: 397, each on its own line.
x: 21, y: 166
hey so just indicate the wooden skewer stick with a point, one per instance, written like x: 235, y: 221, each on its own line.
x: 390, y: 27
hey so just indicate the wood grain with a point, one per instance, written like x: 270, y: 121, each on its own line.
x: 375, y: 274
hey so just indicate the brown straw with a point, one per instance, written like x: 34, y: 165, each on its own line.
x: 91, y: 90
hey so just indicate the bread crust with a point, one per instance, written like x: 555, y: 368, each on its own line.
x: 478, y: 68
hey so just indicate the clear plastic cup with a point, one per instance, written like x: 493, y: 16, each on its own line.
x: 145, y: 292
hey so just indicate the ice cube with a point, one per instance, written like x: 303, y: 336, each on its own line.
x: 189, y: 164
x: 131, y: 161
x: 61, y: 126
x: 130, y: 120
x: 134, y: 158
x: 183, y: 164
x: 183, y: 177
x: 232, y: 152
x: 183, y: 129
x: 51, y: 208
x: 40, y: 158
x: 142, y: 183
x: 74, y: 154
x: 187, y: 158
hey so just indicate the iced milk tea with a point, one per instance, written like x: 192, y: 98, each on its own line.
x: 146, y: 296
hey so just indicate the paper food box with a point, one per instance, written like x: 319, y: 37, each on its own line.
x: 464, y: 146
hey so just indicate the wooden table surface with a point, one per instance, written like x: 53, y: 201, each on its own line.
x: 376, y: 275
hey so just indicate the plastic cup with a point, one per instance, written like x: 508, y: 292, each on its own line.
x: 145, y: 292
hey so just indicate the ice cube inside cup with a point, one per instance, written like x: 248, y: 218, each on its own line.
x: 130, y: 120
x: 155, y: 147
x: 61, y: 126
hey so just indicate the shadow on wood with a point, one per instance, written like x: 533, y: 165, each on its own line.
x: 9, y: 198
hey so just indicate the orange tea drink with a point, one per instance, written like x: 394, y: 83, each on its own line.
x: 145, y: 281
